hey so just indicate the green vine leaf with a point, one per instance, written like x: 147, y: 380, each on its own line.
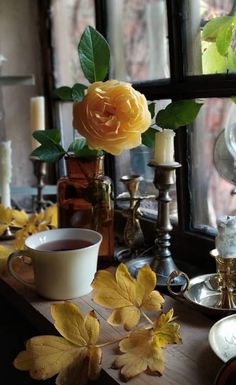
x: 151, y: 108
x: 50, y: 149
x: 94, y: 54
x: 214, y: 26
x: 223, y: 39
x: 178, y: 114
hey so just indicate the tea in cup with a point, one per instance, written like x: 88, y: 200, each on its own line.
x: 64, y: 262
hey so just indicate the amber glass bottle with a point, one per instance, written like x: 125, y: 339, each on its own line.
x: 85, y: 200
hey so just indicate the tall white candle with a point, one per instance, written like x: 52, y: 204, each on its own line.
x: 5, y: 172
x: 37, y: 117
x: 164, y: 147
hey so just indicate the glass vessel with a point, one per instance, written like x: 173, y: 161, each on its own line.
x: 85, y: 200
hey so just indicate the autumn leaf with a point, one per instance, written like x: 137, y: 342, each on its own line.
x: 35, y: 223
x: 73, y: 356
x: 125, y: 295
x: 4, y: 253
x: 142, y: 350
x: 140, y: 353
x: 11, y: 218
x: 166, y: 330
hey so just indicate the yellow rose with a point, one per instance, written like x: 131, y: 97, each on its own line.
x: 112, y: 116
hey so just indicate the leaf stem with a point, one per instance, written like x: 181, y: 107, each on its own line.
x: 110, y: 342
x: 146, y: 317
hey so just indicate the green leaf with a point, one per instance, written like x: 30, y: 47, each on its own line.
x: 64, y: 93
x: 49, y: 152
x: 151, y: 108
x: 223, y: 39
x: 78, y: 92
x: 80, y: 148
x: 212, y: 61
x: 148, y: 138
x: 178, y: 114
x: 213, y: 27
x: 94, y: 54
x: 50, y: 149
x: 50, y: 135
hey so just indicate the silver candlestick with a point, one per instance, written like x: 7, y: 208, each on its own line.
x: 162, y: 262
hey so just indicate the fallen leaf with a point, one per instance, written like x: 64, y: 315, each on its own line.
x: 140, y: 353
x: 125, y: 295
x: 166, y: 330
x: 74, y: 356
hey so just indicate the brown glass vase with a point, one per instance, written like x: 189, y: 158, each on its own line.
x: 85, y: 200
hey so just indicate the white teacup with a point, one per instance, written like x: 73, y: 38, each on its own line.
x: 64, y: 262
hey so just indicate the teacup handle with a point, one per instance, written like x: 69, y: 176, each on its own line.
x: 12, y: 256
x: 170, y: 279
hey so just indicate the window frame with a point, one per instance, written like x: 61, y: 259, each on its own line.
x: 188, y: 244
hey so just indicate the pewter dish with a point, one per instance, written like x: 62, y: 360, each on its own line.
x: 203, y: 292
x: 222, y: 338
x: 135, y: 264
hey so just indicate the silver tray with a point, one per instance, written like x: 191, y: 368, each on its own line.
x: 222, y: 338
x: 203, y: 292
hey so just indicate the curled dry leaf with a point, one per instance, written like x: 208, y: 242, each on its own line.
x: 143, y: 351
x: 73, y: 356
x: 11, y: 218
x: 125, y: 295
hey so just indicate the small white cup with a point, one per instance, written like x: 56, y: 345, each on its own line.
x: 60, y: 274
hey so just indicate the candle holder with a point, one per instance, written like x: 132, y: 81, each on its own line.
x: 133, y: 235
x: 162, y: 262
x: 39, y: 168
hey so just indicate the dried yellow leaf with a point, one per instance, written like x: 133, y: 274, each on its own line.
x: 166, y: 330
x: 140, y: 353
x: 74, y: 356
x: 4, y: 253
x: 45, y: 356
x: 125, y: 295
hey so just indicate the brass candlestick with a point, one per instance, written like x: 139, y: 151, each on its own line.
x: 39, y: 167
x: 133, y: 235
x: 162, y: 262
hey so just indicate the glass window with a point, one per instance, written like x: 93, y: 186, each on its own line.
x: 211, y: 165
x: 69, y: 19
x: 137, y: 33
x: 203, y: 56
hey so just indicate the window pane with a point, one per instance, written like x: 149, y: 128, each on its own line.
x: 69, y: 19
x: 137, y: 33
x: 211, y: 186
x: 203, y: 56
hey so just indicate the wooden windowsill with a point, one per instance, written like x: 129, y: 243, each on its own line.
x: 193, y: 362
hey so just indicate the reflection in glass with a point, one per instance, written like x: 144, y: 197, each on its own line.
x: 230, y: 132
x: 211, y: 193
x: 137, y: 33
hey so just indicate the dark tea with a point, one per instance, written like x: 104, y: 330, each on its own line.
x: 64, y: 244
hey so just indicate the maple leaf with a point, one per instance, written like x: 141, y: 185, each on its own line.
x: 74, y: 355
x: 10, y: 217
x: 35, y: 223
x: 4, y: 253
x: 140, y: 353
x: 143, y: 349
x: 166, y: 330
x: 125, y: 295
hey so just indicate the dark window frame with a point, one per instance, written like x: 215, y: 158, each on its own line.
x: 187, y: 243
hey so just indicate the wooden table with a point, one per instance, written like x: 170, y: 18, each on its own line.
x: 192, y: 363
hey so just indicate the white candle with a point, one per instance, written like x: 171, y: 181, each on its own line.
x: 164, y: 147
x: 5, y: 172
x: 37, y: 117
